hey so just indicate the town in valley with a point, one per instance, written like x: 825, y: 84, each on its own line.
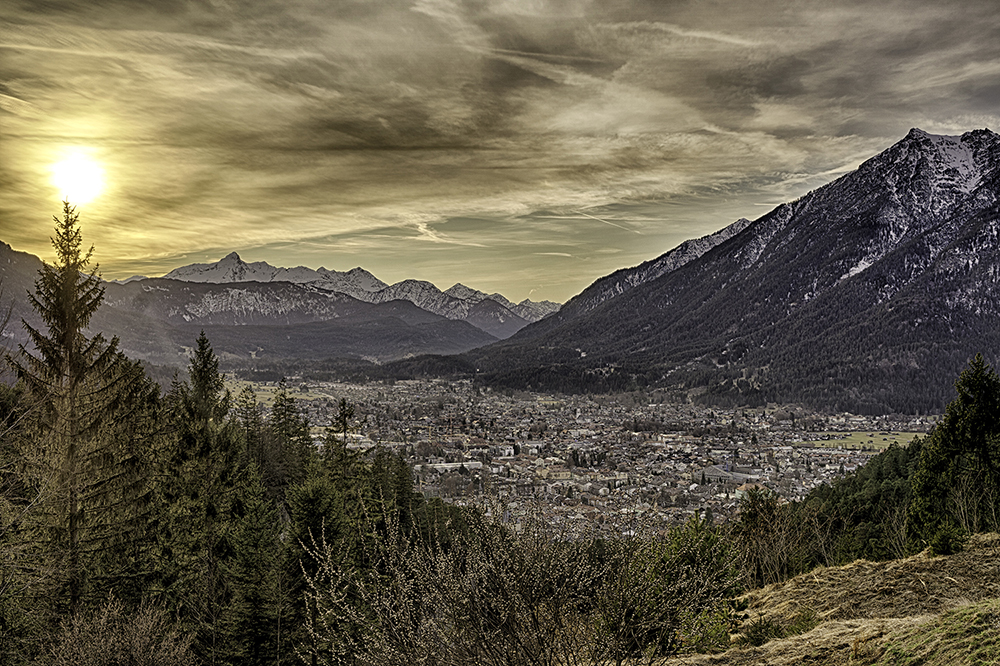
x: 594, y: 463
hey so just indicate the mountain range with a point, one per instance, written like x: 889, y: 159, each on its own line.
x: 255, y: 311
x: 868, y: 294
x: 498, y: 316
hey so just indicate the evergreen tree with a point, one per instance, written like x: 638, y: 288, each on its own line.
x: 956, y: 486
x: 251, y: 425
x: 254, y: 614
x: 290, y: 441
x: 93, y: 415
x: 318, y: 517
x: 200, y: 490
x: 342, y: 420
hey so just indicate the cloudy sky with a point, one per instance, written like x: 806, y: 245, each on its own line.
x: 520, y: 146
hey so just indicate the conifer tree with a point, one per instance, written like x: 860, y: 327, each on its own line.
x: 255, y: 612
x: 251, y: 423
x: 290, y: 440
x: 93, y: 408
x: 963, y: 451
x: 200, y: 491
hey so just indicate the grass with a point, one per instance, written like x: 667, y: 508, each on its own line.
x: 965, y: 635
x: 265, y: 393
x: 764, y: 629
x: 917, y: 611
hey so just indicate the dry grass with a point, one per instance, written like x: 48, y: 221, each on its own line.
x: 917, y: 585
x: 918, y: 610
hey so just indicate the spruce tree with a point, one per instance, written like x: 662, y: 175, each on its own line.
x: 200, y: 487
x: 290, y: 441
x: 94, y: 414
x: 255, y: 612
x: 956, y: 485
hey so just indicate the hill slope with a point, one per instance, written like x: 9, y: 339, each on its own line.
x: 918, y: 610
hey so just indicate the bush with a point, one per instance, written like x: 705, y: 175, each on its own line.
x: 765, y: 629
x: 666, y: 596
x: 499, y: 597
x: 112, y: 636
x: 948, y: 540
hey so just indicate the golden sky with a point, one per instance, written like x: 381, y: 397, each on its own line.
x: 520, y: 146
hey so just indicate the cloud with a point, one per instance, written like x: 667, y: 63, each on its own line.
x: 345, y: 131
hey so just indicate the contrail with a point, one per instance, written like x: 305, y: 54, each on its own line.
x: 580, y: 212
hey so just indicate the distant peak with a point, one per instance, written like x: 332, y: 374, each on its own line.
x: 232, y: 256
x: 919, y: 134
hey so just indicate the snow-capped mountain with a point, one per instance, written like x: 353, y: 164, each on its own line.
x: 456, y: 303
x: 356, y: 282
x: 867, y: 294
x: 233, y: 269
x: 158, y: 320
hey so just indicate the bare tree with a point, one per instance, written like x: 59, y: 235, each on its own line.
x: 532, y: 597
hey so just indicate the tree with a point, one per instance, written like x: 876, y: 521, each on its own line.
x: 964, y: 447
x: 200, y: 489
x: 92, y: 409
x: 253, y: 616
x: 251, y: 425
x: 289, y: 440
x: 342, y: 420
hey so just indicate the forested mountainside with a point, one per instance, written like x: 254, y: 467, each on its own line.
x: 865, y: 295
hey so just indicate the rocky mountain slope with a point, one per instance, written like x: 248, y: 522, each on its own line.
x: 868, y: 294
x: 623, y: 280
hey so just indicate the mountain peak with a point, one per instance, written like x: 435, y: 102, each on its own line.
x: 459, y: 290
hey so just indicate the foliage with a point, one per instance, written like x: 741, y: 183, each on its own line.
x: 763, y: 629
x: 670, y: 595
x: 503, y: 597
x: 87, y: 444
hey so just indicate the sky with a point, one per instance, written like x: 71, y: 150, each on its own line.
x: 521, y: 146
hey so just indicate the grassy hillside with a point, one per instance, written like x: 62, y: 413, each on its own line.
x: 918, y: 610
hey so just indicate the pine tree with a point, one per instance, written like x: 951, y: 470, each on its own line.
x: 957, y: 481
x: 93, y: 409
x: 290, y: 441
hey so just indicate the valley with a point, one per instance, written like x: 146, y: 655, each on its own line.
x: 593, y: 463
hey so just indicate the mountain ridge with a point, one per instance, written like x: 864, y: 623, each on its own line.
x: 884, y: 275
x: 454, y: 303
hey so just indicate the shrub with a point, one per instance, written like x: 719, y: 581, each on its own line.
x: 500, y: 597
x: 113, y: 635
x: 948, y: 540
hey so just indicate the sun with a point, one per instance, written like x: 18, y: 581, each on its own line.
x: 78, y: 178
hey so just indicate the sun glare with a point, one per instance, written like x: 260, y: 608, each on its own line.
x: 78, y: 178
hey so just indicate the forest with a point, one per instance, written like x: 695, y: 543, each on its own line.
x: 142, y: 526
